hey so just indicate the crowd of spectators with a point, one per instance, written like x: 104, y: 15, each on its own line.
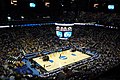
x: 15, y: 43
x: 98, y: 17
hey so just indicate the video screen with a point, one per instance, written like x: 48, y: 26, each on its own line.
x: 32, y: 4
x: 59, y: 34
x: 111, y: 7
x: 64, y: 32
x: 67, y: 34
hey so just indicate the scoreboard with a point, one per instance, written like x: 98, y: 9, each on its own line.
x: 64, y: 31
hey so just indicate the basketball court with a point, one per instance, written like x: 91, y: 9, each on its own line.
x: 60, y: 59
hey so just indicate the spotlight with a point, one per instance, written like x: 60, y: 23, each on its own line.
x: 22, y: 17
x: 47, y: 4
x: 96, y: 5
x: 9, y: 18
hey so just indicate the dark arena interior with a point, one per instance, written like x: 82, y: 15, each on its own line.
x: 59, y: 40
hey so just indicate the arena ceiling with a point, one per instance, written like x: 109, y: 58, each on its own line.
x: 47, y: 7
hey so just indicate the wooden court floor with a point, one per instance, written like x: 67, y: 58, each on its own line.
x: 57, y: 62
